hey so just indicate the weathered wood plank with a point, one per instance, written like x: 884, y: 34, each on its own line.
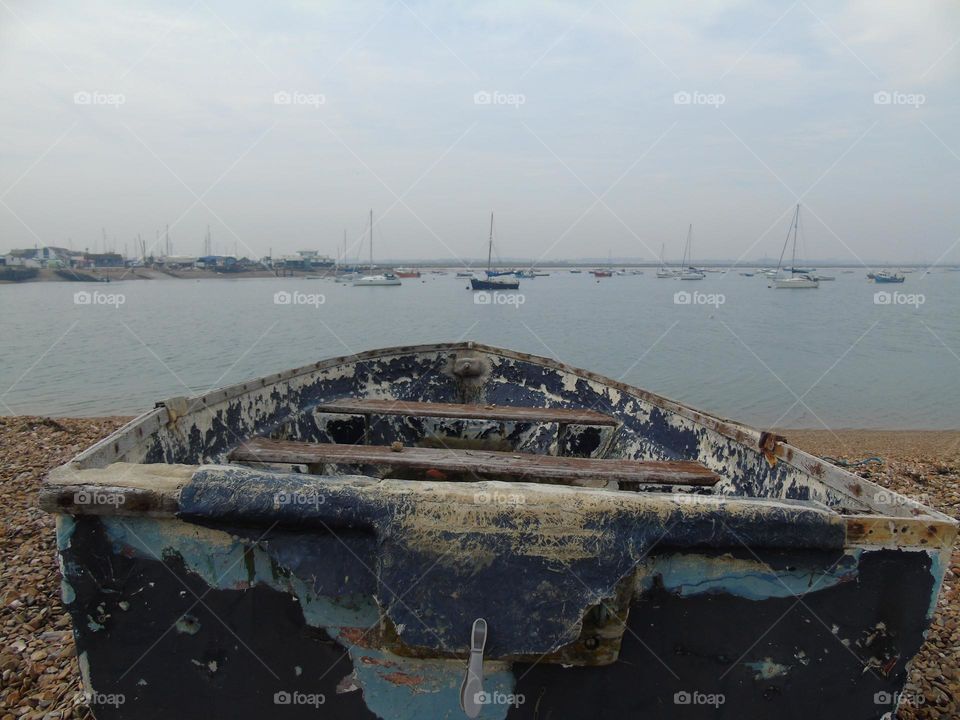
x: 506, y: 413
x: 439, y: 464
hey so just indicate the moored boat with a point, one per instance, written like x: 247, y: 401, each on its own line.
x: 494, y: 280
x: 386, y: 279
x: 888, y: 276
x: 348, y: 533
x: 799, y: 278
x: 689, y: 272
x: 406, y: 273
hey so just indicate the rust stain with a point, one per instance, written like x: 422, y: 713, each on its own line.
x: 401, y: 678
x: 353, y: 635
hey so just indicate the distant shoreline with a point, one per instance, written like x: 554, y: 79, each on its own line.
x: 141, y: 273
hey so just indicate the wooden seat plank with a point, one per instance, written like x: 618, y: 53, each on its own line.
x: 506, y: 413
x: 476, y: 464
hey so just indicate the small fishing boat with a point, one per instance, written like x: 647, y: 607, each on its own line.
x: 888, y: 276
x: 372, y: 533
x: 464, y: 274
x: 502, y: 280
x: 799, y: 278
x: 602, y: 273
x: 576, y: 272
x: 386, y: 279
x: 406, y: 273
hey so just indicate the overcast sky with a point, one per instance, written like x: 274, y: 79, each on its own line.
x: 606, y: 127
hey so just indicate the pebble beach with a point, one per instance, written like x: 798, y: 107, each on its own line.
x: 40, y: 675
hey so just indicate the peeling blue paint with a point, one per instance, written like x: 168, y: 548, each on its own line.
x: 690, y: 575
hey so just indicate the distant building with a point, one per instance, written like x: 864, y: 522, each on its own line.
x: 104, y: 260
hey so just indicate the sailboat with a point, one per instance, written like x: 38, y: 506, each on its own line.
x: 797, y: 279
x: 494, y: 281
x: 385, y: 279
x: 663, y: 271
x: 689, y: 272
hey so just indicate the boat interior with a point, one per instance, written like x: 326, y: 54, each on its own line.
x: 464, y: 412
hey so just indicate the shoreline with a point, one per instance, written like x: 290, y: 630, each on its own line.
x: 94, y: 275
x: 41, y: 675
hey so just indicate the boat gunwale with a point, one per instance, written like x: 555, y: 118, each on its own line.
x: 832, y: 476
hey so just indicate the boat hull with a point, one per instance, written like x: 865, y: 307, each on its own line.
x: 796, y: 284
x: 377, y: 281
x: 200, y: 589
x: 491, y: 284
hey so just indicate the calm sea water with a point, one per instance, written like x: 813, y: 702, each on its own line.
x: 793, y: 358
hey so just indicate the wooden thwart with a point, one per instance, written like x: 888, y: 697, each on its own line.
x: 440, y: 464
x: 503, y: 413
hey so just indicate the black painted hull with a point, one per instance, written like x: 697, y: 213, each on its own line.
x: 477, y: 284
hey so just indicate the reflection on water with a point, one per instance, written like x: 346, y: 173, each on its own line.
x: 731, y: 346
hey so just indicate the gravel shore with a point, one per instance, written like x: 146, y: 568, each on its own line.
x: 40, y: 677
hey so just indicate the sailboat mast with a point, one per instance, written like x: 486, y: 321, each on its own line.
x: 371, y: 239
x: 490, y: 244
x: 796, y: 224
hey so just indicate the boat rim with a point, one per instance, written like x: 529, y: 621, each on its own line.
x: 879, y: 522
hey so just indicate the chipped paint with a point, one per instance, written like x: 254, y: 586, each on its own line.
x: 395, y: 571
x: 767, y: 669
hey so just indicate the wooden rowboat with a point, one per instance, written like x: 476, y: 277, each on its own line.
x: 457, y: 530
